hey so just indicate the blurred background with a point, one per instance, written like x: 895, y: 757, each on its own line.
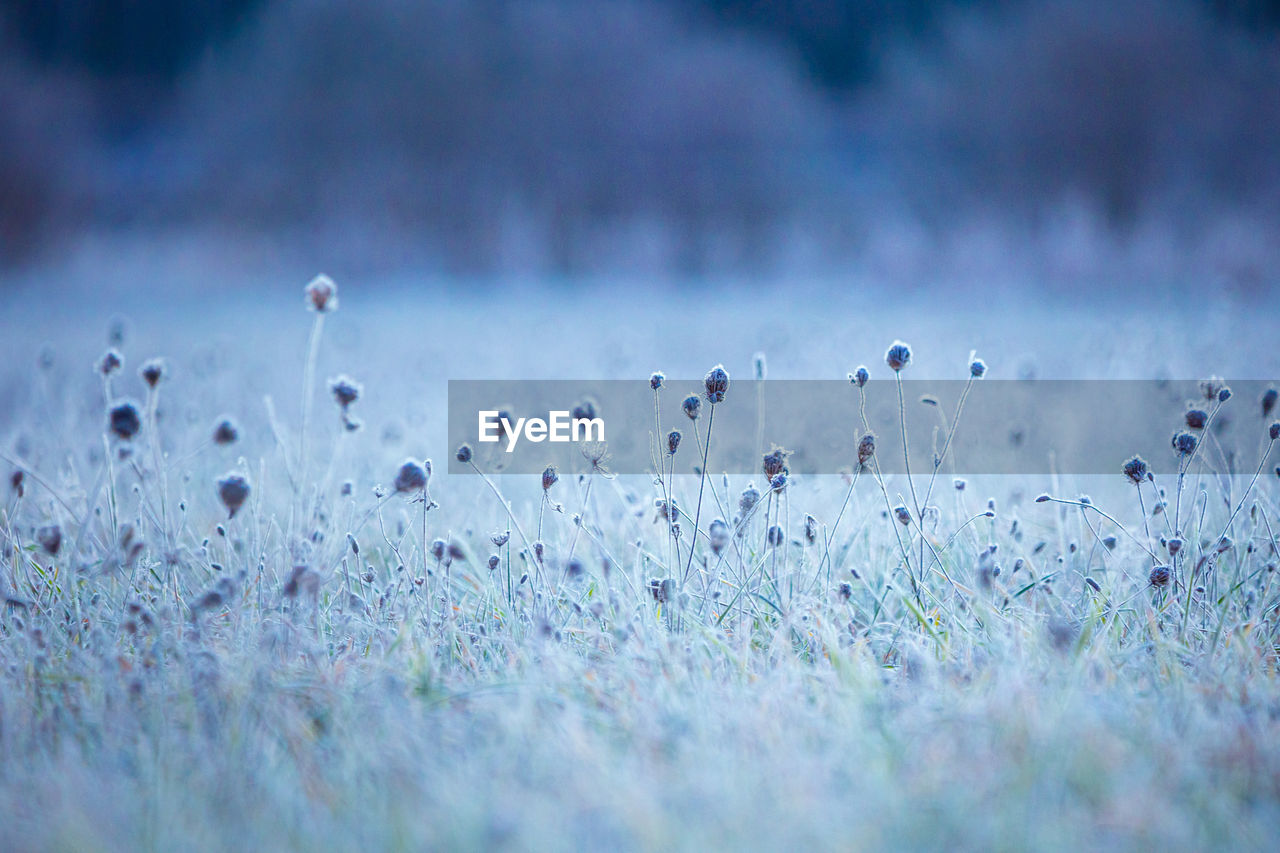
x: 1040, y: 144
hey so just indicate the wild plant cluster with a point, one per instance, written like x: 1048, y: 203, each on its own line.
x: 204, y: 649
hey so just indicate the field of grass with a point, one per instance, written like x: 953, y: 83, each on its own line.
x: 343, y: 664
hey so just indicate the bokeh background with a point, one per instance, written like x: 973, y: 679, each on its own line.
x: 1026, y: 145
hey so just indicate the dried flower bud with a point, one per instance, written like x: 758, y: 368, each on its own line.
x: 153, y: 371
x: 345, y: 390
x: 716, y: 383
x: 225, y: 432
x: 1159, y: 576
x: 860, y: 376
x: 411, y: 477
x: 124, y: 420
x: 1137, y: 470
x: 656, y: 380
x: 692, y: 406
x: 898, y: 356
x: 673, y: 442
x: 233, y: 491
x: 464, y: 453
x: 322, y: 294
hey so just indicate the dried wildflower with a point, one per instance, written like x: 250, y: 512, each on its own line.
x: 15, y: 482
x: 1043, y: 497
x: 438, y: 547
x: 549, y: 477
x: 718, y: 536
x: 903, y: 516
x: 1184, y: 443
x: 153, y: 371
x: 692, y: 406
x: 1224, y: 394
x: 960, y: 484
x: 322, y: 294
x: 977, y: 368
x: 1210, y: 387
x: 1269, y: 398
x: 1174, y: 545
x: 110, y: 362
x: 656, y: 380
x: 1274, y: 430
x: 866, y: 448
x: 716, y: 383
x: 411, y: 477
x: 860, y: 376
x: 493, y: 561
x: 1196, y: 418
x: 748, y: 499
x: 1159, y: 576
x: 124, y: 420
x: 673, y: 442
x: 225, y: 432
x: 50, y: 538
x: 897, y: 356
x: 775, y: 462
x: 845, y: 590
x: 233, y: 491
x: 775, y: 536
x: 345, y: 390
x: 1137, y: 470
x: 779, y: 482
x: 464, y: 453
x: 500, y: 539
x: 810, y: 529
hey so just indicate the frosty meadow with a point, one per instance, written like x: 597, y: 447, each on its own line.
x: 243, y: 609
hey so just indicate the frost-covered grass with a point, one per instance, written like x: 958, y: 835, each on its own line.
x: 318, y: 672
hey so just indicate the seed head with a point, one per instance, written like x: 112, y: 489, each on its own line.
x: 656, y: 380
x: 493, y: 562
x: 585, y: 410
x: 673, y: 442
x: 775, y: 536
x: 233, y: 491
x: 225, y: 432
x: 779, y: 482
x: 464, y: 453
x: 153, y: 371
x: 692, y: 406
x: 866, y: 448
x: 977, y: 368
x: 345, y: 390
x: 717, y: 383
x: 1210, y: 387
x: 110, y: 362
x: 903, y: 516
x: 775, y: 462
x: 1196, y: 418
x: 124, y: 420
x: 50, y: 538
x: 718, y: 535
x: 810, y: 529
x: 1159, y: 576
x: 898, y: 356
x: 860, y: 376
x: 549, y: 477
x: 1274, y: 430
x: 1174, y: 545
x: 1269, y: 398
x: 1224, y: 394
x: 322, y: 294
x: 748, y: 499
x: 411, y: 477
x: 1137, y: 470
x: 1184, y: 443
